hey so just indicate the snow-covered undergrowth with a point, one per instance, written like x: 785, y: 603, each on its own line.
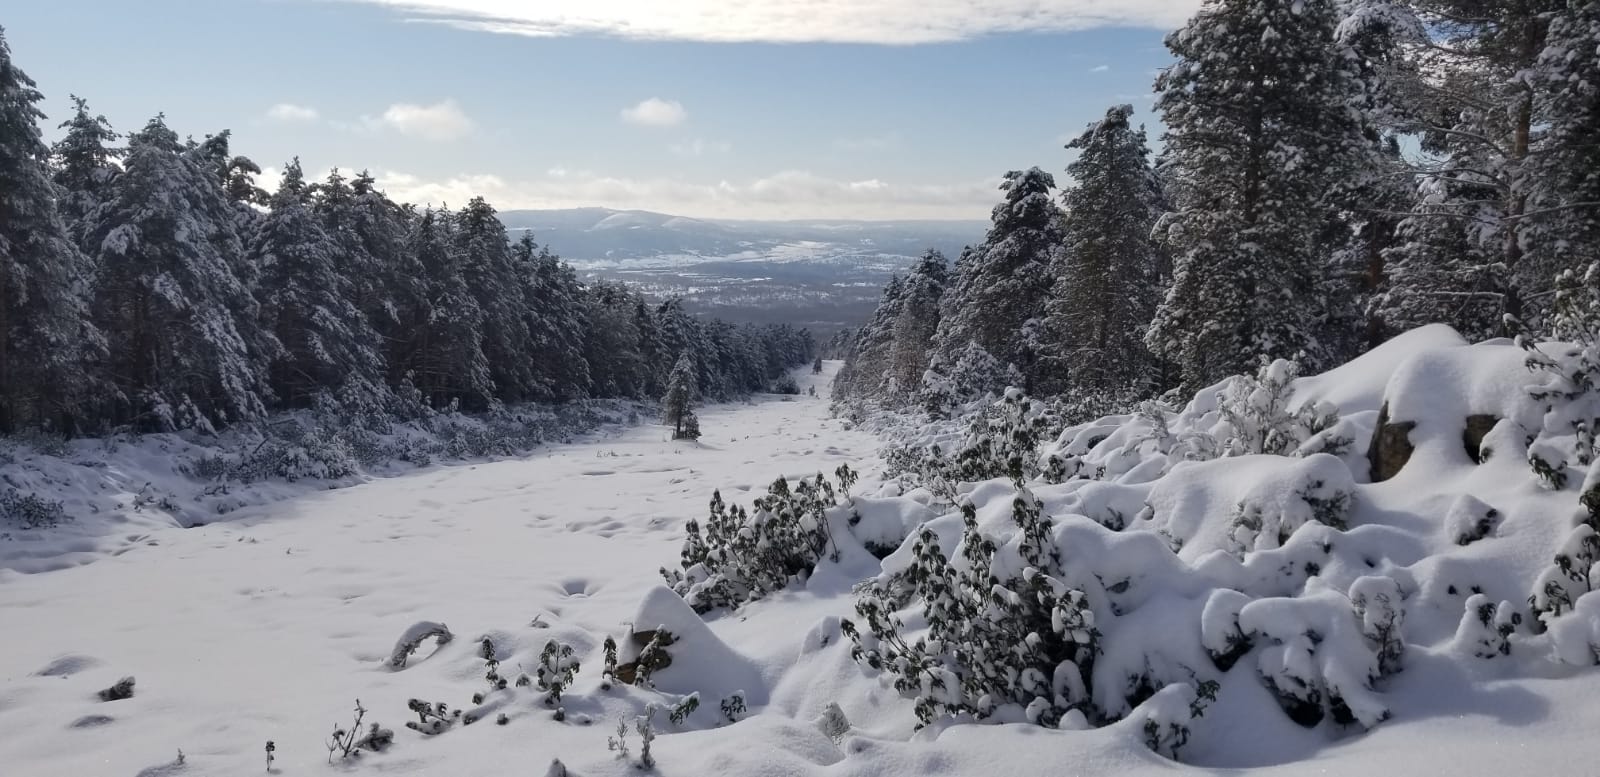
x: 99, y: 496
x: 1182, y: 573
x: 1223, y: 582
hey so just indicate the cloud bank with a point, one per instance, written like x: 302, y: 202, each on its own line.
x: 791, y: 194
x: 886, y: 22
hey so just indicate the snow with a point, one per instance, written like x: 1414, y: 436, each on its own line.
x: 268, y: 622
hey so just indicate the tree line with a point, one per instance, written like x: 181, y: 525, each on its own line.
x: 154, y: 286
x: 1332, y: 173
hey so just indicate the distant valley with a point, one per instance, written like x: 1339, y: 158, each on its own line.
x: 821, y: 274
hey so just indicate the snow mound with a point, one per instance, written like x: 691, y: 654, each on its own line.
x: 700, y: 661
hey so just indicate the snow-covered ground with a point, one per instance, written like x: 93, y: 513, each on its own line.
x: 270, y: 624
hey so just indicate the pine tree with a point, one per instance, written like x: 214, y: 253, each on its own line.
x: 611, y: 344
x: 448, y: 361
x: 489, y: 270
x: 1480, y: 111
x: 44, y: 331
x: 554, y: 319
x: 677, y: 406
x: 1440, y: 272
x: 84, y: 161
x: 1107, y: 277
x: 915, y: 324
x: 306, y: 301
x: 184, y: 345
x: 236, y: 174
x: 387, y: 280
x: 1564, y: 182
x: 867, y: 369
x: 1001, y: 286
x: 1261, y: 130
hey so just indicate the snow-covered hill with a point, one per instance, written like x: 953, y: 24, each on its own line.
x: 1287, y: 557
x: 822, y: 274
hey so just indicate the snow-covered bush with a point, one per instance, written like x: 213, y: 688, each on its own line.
x: 301, y: 452
x: 30, y: 511
x: 1313, y: 653
x: 1380, y: 606
x: 1560, y: 586
x: 786, y: 385
x: 1003, y: 629
x: 413, y: 637
x: 1470, y: 520
x: 832, y: 723
x: 1002, y: 440
x: 742, y: 556
x: 733, y: 707
x: 1576, y: 635
x: 1486, y: 627
x: 1319, y: 490
x: 1169, y: 714
x: 348, y: 742
x: 1256, y: 411
x: 558, y: 665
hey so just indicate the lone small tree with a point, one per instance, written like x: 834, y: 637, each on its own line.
x: 677, y: 405
x: 816, y: 366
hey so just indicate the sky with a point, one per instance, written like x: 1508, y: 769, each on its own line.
x: 769, y: 109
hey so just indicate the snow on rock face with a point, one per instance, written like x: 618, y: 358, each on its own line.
x: 1438, y: 389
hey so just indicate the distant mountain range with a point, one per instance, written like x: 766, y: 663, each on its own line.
x: 601, y: 236
x: 816, y: 273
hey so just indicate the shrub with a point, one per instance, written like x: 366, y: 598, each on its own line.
x: 31, y: 511
x: 1046, y: 626
x: 743, y: 557
x: 786, y: 385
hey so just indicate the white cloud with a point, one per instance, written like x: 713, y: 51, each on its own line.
x: 656, y: 112
x: 289, y: 112
x: 441, y: 121
x: 788, y: 194
x: 793, y: 21
x: 1100, y: 69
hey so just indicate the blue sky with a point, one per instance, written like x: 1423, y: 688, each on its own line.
x: 757, y: 109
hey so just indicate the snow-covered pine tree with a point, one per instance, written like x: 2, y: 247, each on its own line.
x: 1107, y: 278
x: 1439, y: 271
x: 651, y: 349
x: 679, y: 333
x: 1261, y: 132
x: 307, y: 302
x: 1563, y: 227
x: 448, y: 361
x: 84, y: 160
x: 1001, y: 285
x: 387, y: 281
x: 236, y: 174
x: 915, y: 324
x: 677, y: 405
x: 866, y: 372
x: 1480, y: 111
x: 490, y: 272
x: 45, y: 335
x: 181, y: 327
x: 1375, y: 35
x: 554, y: 318
x: 611, y: 342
